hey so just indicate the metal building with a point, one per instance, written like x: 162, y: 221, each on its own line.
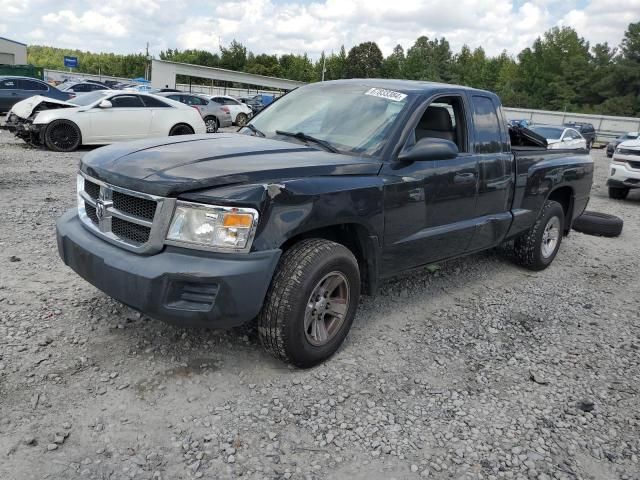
x: 12, y: 52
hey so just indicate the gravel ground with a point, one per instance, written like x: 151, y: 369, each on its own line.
x: 476, y: 369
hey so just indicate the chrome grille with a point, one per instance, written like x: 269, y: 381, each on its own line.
x: 628, y: 151
x: 139, y: 207
x: 133, y: 220
x: 633, y: 164
x: 131, y: 231
x: 92, y: 189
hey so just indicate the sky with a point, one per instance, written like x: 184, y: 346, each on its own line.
x: 299, y: 26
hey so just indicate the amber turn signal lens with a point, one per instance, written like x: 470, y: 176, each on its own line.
x: 237, y: 220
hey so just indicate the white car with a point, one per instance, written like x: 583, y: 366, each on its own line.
x: 560, y: 137
x: 624, y: 170
x: 99, y: 118
x: 240, y: 112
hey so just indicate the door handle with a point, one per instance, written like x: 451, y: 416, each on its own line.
x: 463, y: 178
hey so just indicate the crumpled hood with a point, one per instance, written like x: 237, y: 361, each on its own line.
x: 24, y: 108
x: 174, y: 165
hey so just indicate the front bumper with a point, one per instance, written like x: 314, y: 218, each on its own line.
x: 623, y: 176
x: 184, y: 287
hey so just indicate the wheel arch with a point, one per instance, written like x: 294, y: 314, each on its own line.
x: 565, y: 196
x: 179, y: 124
x: 358, y: 239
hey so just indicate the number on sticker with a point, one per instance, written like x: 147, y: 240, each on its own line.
x: 388, y: 94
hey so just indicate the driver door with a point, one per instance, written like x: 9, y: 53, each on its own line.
x: 430, y: 205
x: 127, y: 119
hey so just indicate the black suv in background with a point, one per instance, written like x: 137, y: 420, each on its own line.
x: 587, y: 131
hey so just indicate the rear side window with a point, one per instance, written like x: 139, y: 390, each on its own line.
x: 153, y: 102
x: 126, y: 101
x: 487, y: 125
x: 191, y: 100
x: 8, y: 85
x: 32, y: 85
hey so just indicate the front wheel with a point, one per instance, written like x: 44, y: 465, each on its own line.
x: 311, y: 303
x: 62, y: 136
x: 181, y: 129
x: 538, y: 246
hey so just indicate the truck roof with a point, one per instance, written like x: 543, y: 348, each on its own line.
x: 410, y: 86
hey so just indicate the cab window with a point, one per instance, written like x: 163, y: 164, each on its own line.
x: 443, y: 118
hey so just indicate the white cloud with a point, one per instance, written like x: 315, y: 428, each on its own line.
x: 88, y: 22
x: 603, y: 21
x: 282, y: 26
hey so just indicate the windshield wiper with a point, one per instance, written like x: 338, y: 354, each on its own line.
x: 254, y: 129
x: 308, y: 138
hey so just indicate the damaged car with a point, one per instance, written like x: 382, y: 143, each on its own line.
x: 100, y: 118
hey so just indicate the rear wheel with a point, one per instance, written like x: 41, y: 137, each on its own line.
x: 538, y: 246
x: 181, y: 129
x: 62, y: 136
x: 618, y: 193
x: 311, y: 303
x: 241, y: 119
x: 212, y: 124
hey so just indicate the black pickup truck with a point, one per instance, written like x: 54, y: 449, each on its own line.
x: 331, y: 189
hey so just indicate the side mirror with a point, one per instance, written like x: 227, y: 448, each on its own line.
x: 427, y: 149
x: 105, y: 104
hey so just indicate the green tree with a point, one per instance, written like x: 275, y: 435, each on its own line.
x: 393, y: 65
x: 429, y: 60
x: 233, y: 57
x: 364, y: 61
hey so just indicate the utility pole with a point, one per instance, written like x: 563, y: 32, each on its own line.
x: 146, y: 70
x: 324, y: 63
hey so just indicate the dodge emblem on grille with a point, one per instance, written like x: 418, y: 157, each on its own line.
x: 99, y: 209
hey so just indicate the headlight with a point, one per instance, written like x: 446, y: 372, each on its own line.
x: 212, y: 227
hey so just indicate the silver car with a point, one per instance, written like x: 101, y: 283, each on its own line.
x: 213, y: 114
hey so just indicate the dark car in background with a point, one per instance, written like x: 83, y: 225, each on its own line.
x: 586, y: 130
x: 16, y: 89
x: 83, y: 87
x: 611, y: 146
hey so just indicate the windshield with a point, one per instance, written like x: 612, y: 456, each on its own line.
x: 550, y: 133
x: 351, y: 118
x: 628, y: 136
x: 85, y: 99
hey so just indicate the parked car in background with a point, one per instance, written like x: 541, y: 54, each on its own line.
x: 519, y: 123
x: 624, y: 171
x: 99, y: 118
x: 82, y: 87
x: 213, y: 114
x: 560, y: 137
x: 241, y: 113
x: 611, y: 146
x: 587, y: 131
x: 16, y: 89
x: 252, y: 103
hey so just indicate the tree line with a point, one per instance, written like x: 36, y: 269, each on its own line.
x: 560, y: 71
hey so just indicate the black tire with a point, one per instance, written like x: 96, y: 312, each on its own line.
x: 62, y: 136
x: 618, y: 193
x: 212, y: 124
x: 596, y: 223
x: 181, y: 129
x: 241, y: 119
x: 302, y: 268
x: 528, y: 248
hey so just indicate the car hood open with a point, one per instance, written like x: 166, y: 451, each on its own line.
x: 26, y: 107
x: 174, y: 165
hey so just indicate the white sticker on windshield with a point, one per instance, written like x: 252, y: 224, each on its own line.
x: 388, y: 94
